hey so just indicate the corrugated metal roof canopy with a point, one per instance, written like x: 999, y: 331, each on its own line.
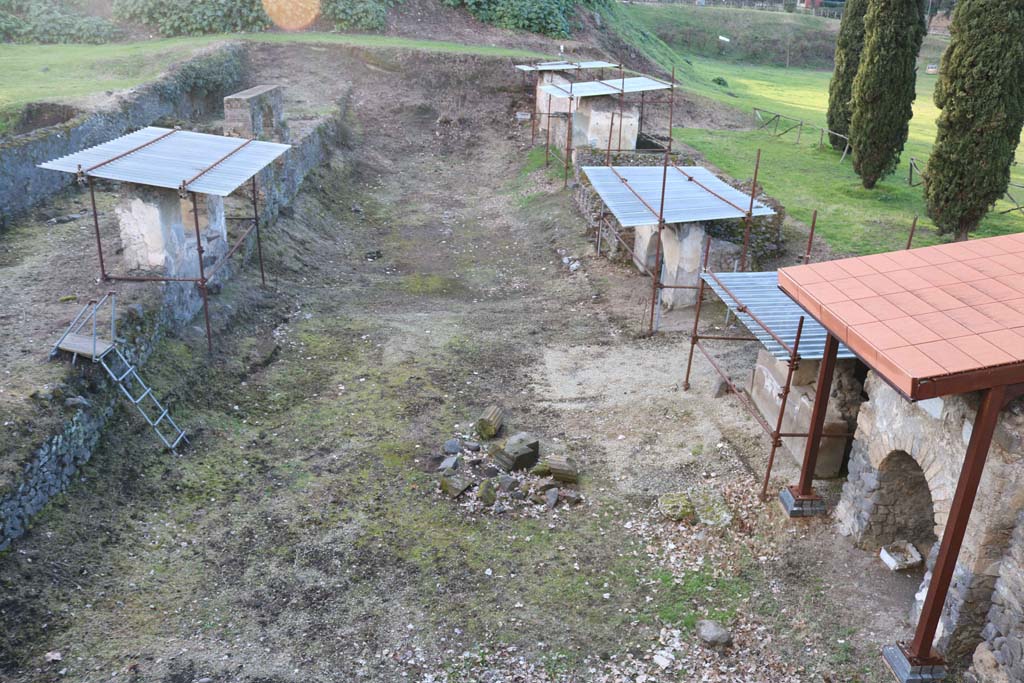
x: 566, y: 66
x: 759, y: 293
x: 173, y: 157
x: 685, y: 201
x: 611, y: 86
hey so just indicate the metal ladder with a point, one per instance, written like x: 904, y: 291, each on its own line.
x: 117, y: 367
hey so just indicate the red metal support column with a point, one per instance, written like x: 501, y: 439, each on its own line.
x: 913, y: 229
x: 810, y: 237
x: 96, y: 226
x: 920, y: 651
x: 202, y: 273
x: 800, y: 500
x: 794, y: 361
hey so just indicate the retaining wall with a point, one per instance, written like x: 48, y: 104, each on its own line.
x: 53, y: 465
x: 194, y: 88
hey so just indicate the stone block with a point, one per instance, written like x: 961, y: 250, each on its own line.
x: 257, y: 112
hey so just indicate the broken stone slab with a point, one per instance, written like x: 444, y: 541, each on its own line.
x: 486, y: 493
x: 714, y: 634
x: 551, y: 498
x: 472, y: 446
x: 452, y: 447
x: 564, y: 469
x: 900, y: 555
x: 677, y: 507
x: 451, y: 463
x: 522, y: 440
x: 547, y: 484
x: 454, y: 486
x: 507, y: 483
x: 521, y: 458
x: 489, y: 423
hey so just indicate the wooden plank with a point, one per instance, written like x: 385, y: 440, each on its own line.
x: 83, y: 346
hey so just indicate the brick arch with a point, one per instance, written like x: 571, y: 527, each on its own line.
x: 940, y: 487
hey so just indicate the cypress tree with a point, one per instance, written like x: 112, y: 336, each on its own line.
x: 981, y: 94
x: 848, y: 48
x: 883, y: 90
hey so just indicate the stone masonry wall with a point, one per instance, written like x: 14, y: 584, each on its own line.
x: 192, y: 89
x: 1000, y: 657
x: 934, y: 434
x: 54, y: 463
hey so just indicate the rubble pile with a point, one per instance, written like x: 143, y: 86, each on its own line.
x: 491, y: 474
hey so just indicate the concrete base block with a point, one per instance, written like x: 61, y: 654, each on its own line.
x: 905, y: 672
x: 801, y: 507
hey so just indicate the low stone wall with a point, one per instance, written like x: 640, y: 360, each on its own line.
x: 1000, y: 657
x: 901, y: 448
x: 55, y: 462
x: 194, y: 88
x: 766, y: 384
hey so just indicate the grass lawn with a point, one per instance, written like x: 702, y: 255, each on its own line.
x: 851, y: 219
x: 59, y: 73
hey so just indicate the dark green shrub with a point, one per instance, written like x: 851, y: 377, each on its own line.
x: 981, y: 94
x: 43, y: 21
x: 883, y: 90
x: 363, y: 15
x: 789, y: 5
x: 718, y: 80
x: 849, y: 45
x: 550, y: 17
x: 194, y: 17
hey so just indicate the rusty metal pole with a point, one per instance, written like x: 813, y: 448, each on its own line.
x: 749, y: 219
x: 202, y: 273
x: 913, y: 228
x: 568, y: 146
x: 256, y: 220
x: 547, y: 137
x: 96, y: 227
x: 608, y: 153
x: 656, y: 282
x: 992, y: 402
x: 640, y: 123
x: 536, y: 110
x: 810, y: 237
x: 794, y: 360
x: 696, y: 317
x: 804, y: 491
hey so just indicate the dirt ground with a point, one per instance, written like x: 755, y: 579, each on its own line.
x: 302, y: 537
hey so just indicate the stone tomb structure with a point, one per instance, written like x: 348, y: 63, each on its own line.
x: 171, y: 214
x: 669, y: 241
x: 561, y: 74
x: 257, y: 113
x: 938, y: 454
x: 597, y: 111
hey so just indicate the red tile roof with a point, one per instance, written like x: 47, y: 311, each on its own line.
x: 932, y: 321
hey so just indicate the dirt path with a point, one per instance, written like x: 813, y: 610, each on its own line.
x: 303, y: 539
